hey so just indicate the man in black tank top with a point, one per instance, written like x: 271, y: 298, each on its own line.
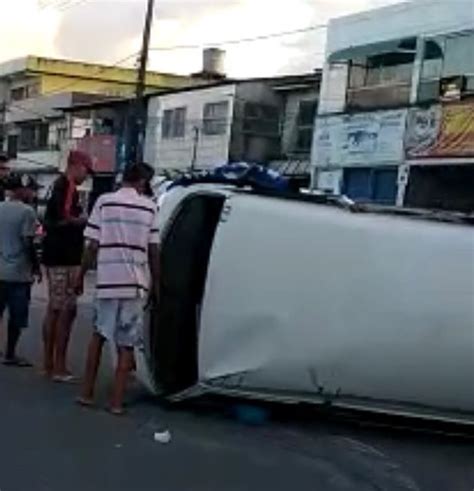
x: 62, y: 253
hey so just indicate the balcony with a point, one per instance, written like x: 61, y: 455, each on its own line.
x: 379, y: 96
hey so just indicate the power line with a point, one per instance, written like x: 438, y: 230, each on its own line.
x: 178, y: 47
x: 241, y: 40
x: 71, y: 4
x: 45, y: 4
x: 171, y: 48
x: 60, y: 5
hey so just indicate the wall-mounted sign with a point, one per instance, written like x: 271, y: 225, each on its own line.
x: 440, y: 131
x: 364, y: 139
x: 102, y: 149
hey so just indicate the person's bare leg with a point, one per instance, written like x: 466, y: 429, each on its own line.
x: 94, y: 356
x: 1, y: 333
x: 50, y: 326
x: 64, y: 328
x: 124, y: 365
x: 14, y: 333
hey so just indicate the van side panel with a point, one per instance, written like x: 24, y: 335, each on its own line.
x: 317, y: 301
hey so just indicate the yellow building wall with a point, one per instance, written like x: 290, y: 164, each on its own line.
x: 72, y: 76
x: 50, y: 84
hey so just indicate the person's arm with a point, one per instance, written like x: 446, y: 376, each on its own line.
x: 154, y: 260
x: 89, y: 259
x: 34, y: 259
x: 154, y: 257
x: 28, y: 234
x: 92, y: 235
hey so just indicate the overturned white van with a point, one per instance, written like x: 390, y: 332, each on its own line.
x: 295, y: 299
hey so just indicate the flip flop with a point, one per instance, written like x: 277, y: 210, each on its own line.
x: 117, y: 411
x: 17, y: 362
x: 67, y: 378
x: 81, y: 401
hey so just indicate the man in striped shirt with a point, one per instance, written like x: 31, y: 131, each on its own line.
x: 122, y: 237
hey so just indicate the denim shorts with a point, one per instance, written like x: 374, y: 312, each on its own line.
x: 15, y: 299
x: 120, y: 321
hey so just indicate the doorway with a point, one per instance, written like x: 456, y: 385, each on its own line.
x: 442, y: 187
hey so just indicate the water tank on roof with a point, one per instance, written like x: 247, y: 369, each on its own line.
x: 213, y: 61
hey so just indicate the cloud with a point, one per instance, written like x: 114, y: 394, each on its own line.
x: 107, y: 30
x: 206, y: 22
x: 98, y: 31
x: 26, y: 29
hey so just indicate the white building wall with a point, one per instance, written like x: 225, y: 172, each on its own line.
x: 415, y: 18
x: 420, y: 18
x: 45, y: 158
x: 423, y: 18
x: 177, y: 153
x: 37, y: 108
x: 13, y: 66
x: 333, y: 88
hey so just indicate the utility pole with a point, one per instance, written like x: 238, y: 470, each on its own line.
x: 139, y: 110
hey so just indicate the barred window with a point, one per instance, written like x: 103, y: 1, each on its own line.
x: 174, y: 122
x: 215, y: 118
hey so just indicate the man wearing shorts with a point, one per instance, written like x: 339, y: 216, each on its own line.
x: 122, y: 237
x: 18, y: 261
x: 3, y: 177
x: 62, y: 253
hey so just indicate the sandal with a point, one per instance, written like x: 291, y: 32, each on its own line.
x: 17, y: 362
x: 66, y: 378
x: 117, y: 411
x: 82, y: 401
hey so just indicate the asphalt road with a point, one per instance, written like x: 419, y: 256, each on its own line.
x: 49, y: 444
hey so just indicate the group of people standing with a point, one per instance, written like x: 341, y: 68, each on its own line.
x: 120, y: 240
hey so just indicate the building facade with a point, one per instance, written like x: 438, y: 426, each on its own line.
x: 34, y: 91
x: 201, y: 128
x: 300, y: 97
x: 267, y: 121
x: 395, y: 122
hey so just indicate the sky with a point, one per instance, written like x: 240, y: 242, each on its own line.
x: 107, y: 31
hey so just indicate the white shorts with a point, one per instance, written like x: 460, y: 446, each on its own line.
x: 120, y: 321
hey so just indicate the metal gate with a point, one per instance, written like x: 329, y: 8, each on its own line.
x: 374, y: 185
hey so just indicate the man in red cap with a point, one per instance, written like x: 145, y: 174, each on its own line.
x: 62, y: 253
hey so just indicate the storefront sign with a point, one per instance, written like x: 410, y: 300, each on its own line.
x: 440, y: 132
x: 102, y: 149
x: 364, y: 139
